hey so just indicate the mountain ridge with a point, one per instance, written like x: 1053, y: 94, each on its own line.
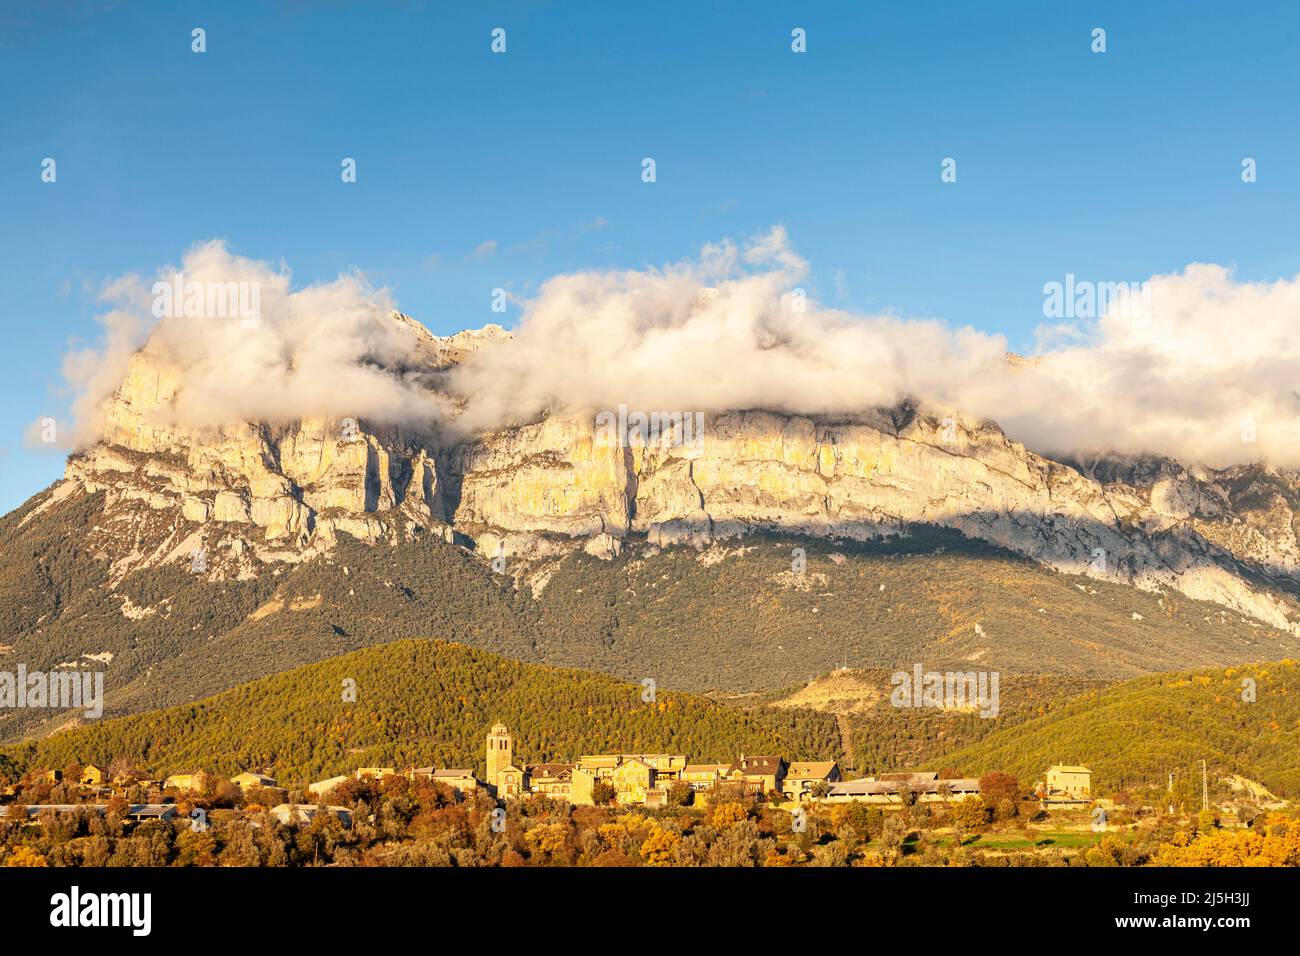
x: 764, y: 552
x: 256, y: 494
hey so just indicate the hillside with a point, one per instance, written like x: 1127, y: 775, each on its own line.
x: 426, y: 702
x: 429, y: 702
x: 736, y: 617
x: 164, y: 635
x: 1138, y: 732
x: 881, y: 738
x: 731, y: 617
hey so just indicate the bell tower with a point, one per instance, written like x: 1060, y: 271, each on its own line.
x: 500, y: 752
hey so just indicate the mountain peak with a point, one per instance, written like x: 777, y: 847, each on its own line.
x: 266, y: 492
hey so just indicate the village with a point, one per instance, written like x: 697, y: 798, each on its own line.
x: 648, y: 780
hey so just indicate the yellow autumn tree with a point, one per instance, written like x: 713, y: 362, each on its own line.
x: 659, y: 848
x: 1276, y: 843
x: 547, y: 838
x: 726, y: 815
x: 25, y: 856
x: 612, y: 834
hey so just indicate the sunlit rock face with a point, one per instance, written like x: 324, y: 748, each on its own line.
x: 259, y: 493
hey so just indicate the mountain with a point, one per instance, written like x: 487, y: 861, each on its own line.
x: 185, y: 559
x: 427, y: 702
x: 256, y: 494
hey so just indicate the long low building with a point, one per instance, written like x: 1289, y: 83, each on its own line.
x: 927, y: 788
x: 298, y: 814
x: 136, y: 811
x: 322, y: 787
x: 456, y: 778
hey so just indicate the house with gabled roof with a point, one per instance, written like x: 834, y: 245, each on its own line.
x: 512, y: 781
x: 704, y: 776
x: 803, y: 775
x: 552, y: 779
x: 633, y: 780
x: 1067, y: 782
x: 666, y: 766
x: 322, y: 787
x: 248, y: 780
x: 759, y: 775
x: 192, y: 781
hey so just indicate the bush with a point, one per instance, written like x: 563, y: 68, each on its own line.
x: 865, y: 821
x: 971, y: 813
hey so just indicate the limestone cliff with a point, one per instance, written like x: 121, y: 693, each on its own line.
x: 253, y: 494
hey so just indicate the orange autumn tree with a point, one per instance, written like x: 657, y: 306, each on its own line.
x: 25, y: 856
x: 1276, y: 843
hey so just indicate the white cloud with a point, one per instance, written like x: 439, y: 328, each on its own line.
x: 1185, y: 370
x: 326, y: 350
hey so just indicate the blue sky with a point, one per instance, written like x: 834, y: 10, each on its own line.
x: 1114, y: 166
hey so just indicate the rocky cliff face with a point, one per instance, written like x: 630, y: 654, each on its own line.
x: 252, y: 495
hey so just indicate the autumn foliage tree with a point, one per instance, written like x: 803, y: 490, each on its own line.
x: 726, y: 815
x: 25, y: 856
x: 1277, y: 843
x: 1001, y: 793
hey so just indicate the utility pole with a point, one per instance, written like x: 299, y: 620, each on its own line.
x: 1205, y: 789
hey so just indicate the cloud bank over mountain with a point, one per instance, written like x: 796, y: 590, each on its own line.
x: 1201, y: 367
x: 326, y: 350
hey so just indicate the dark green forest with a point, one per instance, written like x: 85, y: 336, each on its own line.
x: 1139, y: 731
x: 424, y: 702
